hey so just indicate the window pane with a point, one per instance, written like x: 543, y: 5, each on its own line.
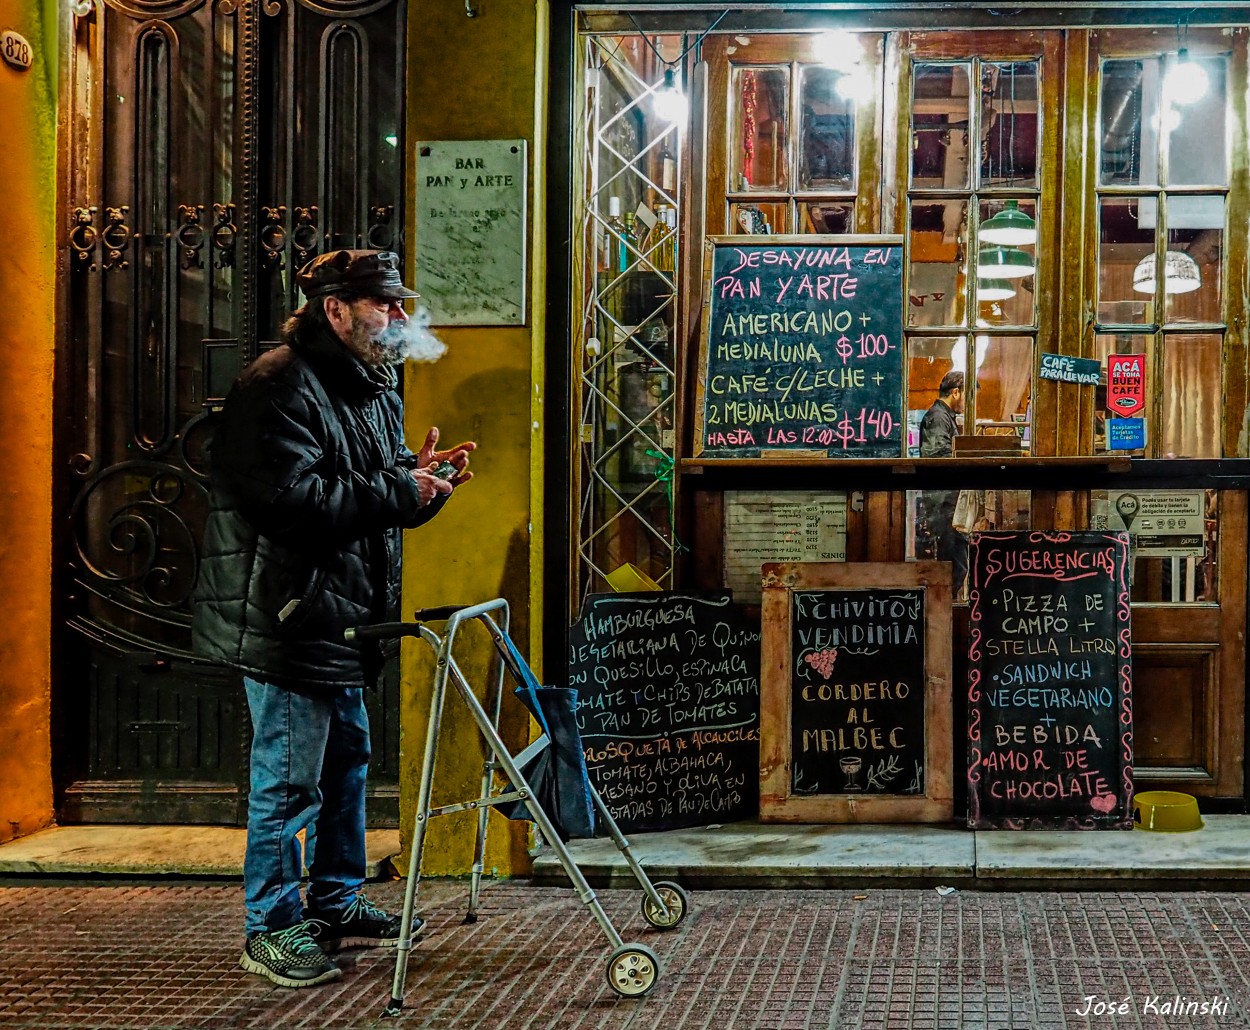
x: 929, y: 358
x: 1106, y: 344
x: 1187, y: 575
x: 1126, y: 238
x: 827, y: 156
x: 760, y: 128
x: 827, y: 217
x: 1195, y: 259
x: 939, y: 522
x: 1007, y: 301
x: 940, y: 118
x: 1129, y: 123
x: 937, y: 277
x: 1004, y: 385
x: 759, y: 219
x: 1198, y: 140
x: 1009, y: 124
x: 1191, y: 392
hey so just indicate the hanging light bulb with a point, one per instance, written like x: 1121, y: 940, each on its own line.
x: 995, y: 289
x: 668, y: 101
x: 1180, y: 274
x: 1004, y: 263
x: 840, y: 49
x: 1010, y: 226
x: 1186, y: 80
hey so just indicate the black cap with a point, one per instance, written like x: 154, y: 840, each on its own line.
x: 373, y: 273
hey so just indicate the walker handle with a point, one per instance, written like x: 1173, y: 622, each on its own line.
x: 381, y: 631
x: 445, y: 611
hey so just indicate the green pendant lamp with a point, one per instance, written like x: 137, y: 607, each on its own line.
x: 1010, y: 227
x: 1004, y: 263
x: 995, y: 289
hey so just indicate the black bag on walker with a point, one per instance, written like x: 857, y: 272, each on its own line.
x: 557, y: 774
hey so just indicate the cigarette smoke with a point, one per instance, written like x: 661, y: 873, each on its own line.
x: 412, y: 340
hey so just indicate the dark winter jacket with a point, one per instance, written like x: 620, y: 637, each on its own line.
x: 938, y: 429
x: 309, y: 494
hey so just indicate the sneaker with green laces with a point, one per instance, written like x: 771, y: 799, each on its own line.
x: 290, y: 957
x: 360, y: 924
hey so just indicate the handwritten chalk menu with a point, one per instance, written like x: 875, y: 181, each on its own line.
x: 858, y: 685
x: 802, y: 349
x: 470, y: 245
x: 1050, y: 730
x: 669, y: 707
x: 855, y: 717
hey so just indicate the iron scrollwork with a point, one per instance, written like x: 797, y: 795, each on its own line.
x: 304, y: 235
x: 273, y: 237
x: 129, y: 519
x: 116, y: 238
x: 225, y: 232
x: 381, y: 234
x: 191, y: 235
x: 84, y: 237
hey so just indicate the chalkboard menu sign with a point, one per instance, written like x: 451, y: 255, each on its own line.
x: 802, y: 349
x: 855, y: 712
x: 1050, y: 727
x: 669, y: 707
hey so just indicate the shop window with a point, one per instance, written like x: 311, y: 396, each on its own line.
x: 1174, y: 541
x: 1162, y: 210
x: 972, y: 228
x: 795, y: 120
x: 1190, y: 389
x: 624, y: 364
x: 940, y: 524
x: 760, y: 128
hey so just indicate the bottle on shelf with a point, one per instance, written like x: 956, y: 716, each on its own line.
x: 628, y: 241
x: 665, y: 246
x: 668, y: 170
x: 612, y: 242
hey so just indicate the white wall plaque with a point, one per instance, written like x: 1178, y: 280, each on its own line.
x: 762, y: 527
x: 470, y: 250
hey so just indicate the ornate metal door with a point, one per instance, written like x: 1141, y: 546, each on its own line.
x: 214, y: 146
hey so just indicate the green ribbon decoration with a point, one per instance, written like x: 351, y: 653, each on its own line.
x: 664, y: 465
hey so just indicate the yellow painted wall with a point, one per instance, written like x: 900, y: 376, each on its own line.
x: 27, y: 339
x: 484, y: 79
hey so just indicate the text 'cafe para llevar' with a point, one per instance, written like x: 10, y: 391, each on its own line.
x: 1031, y: 170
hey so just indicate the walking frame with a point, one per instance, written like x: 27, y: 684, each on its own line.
x: 632, y: 969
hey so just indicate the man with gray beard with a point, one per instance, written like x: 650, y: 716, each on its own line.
x: 311, y: 488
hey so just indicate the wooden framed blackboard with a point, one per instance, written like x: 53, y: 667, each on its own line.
x: 855, y: 704
x: 669, y: 707
x: 801, y: 347
x: 1050, y: 686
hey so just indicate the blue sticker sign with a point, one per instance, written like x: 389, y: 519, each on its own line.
x: 1126, y: 434
x: 1065, y: 369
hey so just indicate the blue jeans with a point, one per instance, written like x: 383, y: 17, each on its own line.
x: 310, y: 756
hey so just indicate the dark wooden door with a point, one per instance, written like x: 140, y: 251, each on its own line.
x: 213, y: 147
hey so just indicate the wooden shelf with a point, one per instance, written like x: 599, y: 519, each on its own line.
x: 903, y: 466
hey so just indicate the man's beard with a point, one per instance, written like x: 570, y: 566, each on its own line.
x: 408, y: 340
x: 375, y: 347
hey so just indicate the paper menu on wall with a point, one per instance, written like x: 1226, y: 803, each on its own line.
x: 764, y: 527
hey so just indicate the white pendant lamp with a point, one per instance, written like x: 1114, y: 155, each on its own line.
x: 1180, y: 273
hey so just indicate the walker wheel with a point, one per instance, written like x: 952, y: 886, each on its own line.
x: 675, y: 900
x: 633, y: 970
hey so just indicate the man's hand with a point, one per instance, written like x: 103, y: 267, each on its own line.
x: 428, y: 458
x: 429, y: 486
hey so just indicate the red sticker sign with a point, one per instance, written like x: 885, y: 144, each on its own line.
x: 1126, y: 384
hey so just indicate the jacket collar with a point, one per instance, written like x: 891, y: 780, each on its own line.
x: 338, y: 368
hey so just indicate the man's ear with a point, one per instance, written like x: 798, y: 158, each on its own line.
x: 337, y: 313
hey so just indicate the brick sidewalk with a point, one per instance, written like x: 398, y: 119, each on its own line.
x: 126, y: 955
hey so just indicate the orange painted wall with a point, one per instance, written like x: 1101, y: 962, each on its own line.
x: 27, y: 341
